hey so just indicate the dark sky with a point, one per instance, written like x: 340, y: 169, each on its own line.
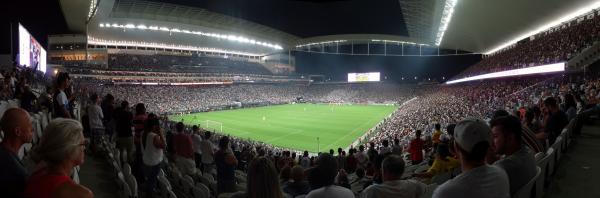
x: 307, y: 18
x: 40, y: 17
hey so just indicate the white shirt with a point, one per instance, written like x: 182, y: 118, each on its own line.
x: 197, y: 140
x: 62, y: 98
x: 95, y: 116
x: 207, y: 152
x: 152, y: 155
x: 482, y: 182
x: 332, y: 191
x: 396, y: 188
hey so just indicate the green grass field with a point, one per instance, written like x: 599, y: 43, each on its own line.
x: 296, y: 126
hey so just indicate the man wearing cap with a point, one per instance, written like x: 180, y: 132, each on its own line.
x: 519, y: 162
x: 472, y: 142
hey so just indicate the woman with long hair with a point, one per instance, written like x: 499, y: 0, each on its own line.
x: 263, y: 181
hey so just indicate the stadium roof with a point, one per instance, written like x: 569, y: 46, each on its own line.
x: 471, y: 25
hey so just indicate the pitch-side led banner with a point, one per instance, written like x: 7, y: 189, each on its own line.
x: 364, y: 77
x: 556, y: 67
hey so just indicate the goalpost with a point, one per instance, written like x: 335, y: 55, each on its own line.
x: 214, y: 125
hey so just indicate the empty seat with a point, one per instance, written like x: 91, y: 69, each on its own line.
x: 557, y: 153
x: 529, y: 190
x: 201, y: 191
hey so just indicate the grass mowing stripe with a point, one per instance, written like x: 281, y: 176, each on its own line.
x: 297, y: 126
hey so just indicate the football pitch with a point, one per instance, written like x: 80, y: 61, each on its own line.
x: 294, y: 126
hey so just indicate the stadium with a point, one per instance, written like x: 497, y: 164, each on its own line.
x: 300, y: 98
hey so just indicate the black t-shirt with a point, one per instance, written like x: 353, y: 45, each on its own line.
x: 124, y: 122
x: 12, y: 174
x: 555, y: 125
x: 225, y: 171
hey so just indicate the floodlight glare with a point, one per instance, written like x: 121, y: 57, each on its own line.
x: 556, y: 67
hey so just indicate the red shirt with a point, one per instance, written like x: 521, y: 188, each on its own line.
x: 183, y: 145
x: 416, y: 149
x: 43, y: 185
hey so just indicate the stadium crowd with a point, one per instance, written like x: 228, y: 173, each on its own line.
x: 553, y: 46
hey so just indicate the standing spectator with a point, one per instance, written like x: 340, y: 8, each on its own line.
x: 416, y: 148
x: 226, y: 163
x: 554, y: 119
x: 124, y: 123
x: 362, y: 157
x: 139, y: 121
x: 197, y: 141
x: 298, y: 185
x: 95, y: 118
x: 392, y: 169
x: 184, y: 150
x: 518, y: 161
x: 61, y: 102
x: 351, y: 162
x: 305, y: 161
x: 372, y: 153
x: 60, y: 150
x: 154, y: 144
x: 16, y: 125
x: 385, y: 149
x: 108, y: 108
x: 208, y: 153
x: 322, y: 179
x: 478, y: 179
x: 397, y: 148
x: 262, y: 180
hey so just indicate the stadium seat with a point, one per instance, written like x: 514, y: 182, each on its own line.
x: 550, y: 154
x: 557, y: 153
x: 130, y: 179
x: 171, y: 194
x: 543, y: 163
x: 565, y: 138
x: 529, y: 190
x: 201, y: 191
x: 538, y: 156
x: 124, y: 189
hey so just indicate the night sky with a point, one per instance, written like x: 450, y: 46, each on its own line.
x: 40, y: 17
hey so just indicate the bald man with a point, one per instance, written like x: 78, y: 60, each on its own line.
x: 17, y: 129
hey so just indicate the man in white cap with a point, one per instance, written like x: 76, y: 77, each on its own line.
x: 472, y: 141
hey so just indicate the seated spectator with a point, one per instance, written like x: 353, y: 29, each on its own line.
x: 226, y: 163
x: 478, y: 179
x: 518, y: 161
x: 342, y: 179
x: 59, y: 151
x: 358, y: 184
x: 528, y: 137
x: 392, y: 169
x: 441, y: 164
x: 285, y: 175
x: 322, y: 178
x: 262, y: 180
x: 297, y: 186
x: 16, y: 125
x: 184, y: 150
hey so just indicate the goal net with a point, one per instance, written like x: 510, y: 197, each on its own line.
x: 213, y: 126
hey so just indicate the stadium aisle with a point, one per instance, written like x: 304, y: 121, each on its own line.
x: 96, y: 175
x: 578, y: 173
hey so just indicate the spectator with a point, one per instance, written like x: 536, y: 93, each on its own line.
x: 397, y: 148
x: 472, y: 142
x: 154, y: 143
x: 392, y: 169
x: 359, y: 183
x: 570, y: 106
x: 441, y: 164
x: 226, y: 163
x: 108, y: 108
x: 285, y: 175
x: 262, y: 180
x: 437, y: 134
x: 208, y: 153
x: 518, y: 161
x: 184, y: 150
x: 95, y: 118
x: 554, y: 119
x: 139, y: 121
x: 16, y: 125
x: 416, y: 148
x: 322, y: 179
x: 351, y: 162
x: 124, y: 123
x: 61, y: 102
x: 197, y: 141
x: 362, y: 157
x: 59, y: 151
x: 305, y: 161
x: 298, y: 186
x: 385, y: 149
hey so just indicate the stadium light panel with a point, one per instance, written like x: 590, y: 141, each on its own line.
x: 175, y: 30
x: 129, y: 26
x: 556, y: 22
x: 153, y: 27
x: 556, y: 67
x: 101, y: 25
x: 142, y: 27
x: 164, y: 29
x: 445, y: 20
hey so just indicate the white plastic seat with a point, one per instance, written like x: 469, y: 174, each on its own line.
x: 124, y: 190
x: 528, y: 190
x: 550, y: 161
x: 557, y: 153
x: 538, y: 156
x: 201, y: 191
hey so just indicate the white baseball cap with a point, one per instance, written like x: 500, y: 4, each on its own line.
x: 471, y: 131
